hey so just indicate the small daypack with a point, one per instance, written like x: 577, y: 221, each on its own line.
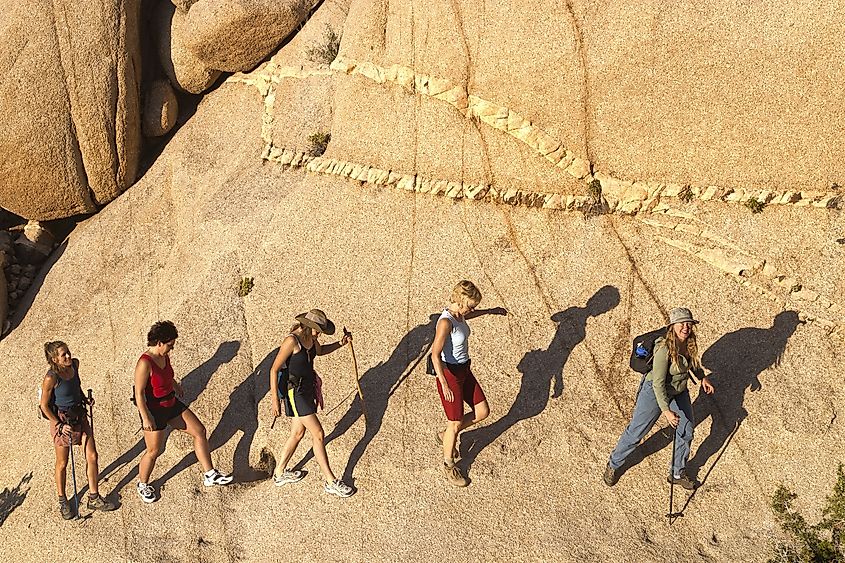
x: 52, y: 405
x: 642, y: 350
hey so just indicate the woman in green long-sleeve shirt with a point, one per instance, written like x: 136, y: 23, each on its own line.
x: 663, y: 390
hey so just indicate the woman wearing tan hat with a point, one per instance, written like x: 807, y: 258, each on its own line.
x: 294, y: 382
x: 663, y: 390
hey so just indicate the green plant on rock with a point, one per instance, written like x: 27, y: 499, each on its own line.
x: 326, y: 50
x: 686, y: 194
x: 596, y: 205
x: 318, y: 142
x: 822, y: 542
x: 245, y: 286
x: 755, y: 205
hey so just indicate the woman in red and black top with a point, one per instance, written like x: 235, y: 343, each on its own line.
x: 156, y: 392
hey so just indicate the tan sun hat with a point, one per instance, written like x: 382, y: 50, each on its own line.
x: 681, y: 315
x: 317, y: 320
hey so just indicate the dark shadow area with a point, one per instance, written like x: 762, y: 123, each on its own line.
x: 378, y: 384
x: 735, y: 362
x: 539, y: 369
x: 12, y: 498
x: 241, y: 414
x: 23, y: 306
x: 193, y: 384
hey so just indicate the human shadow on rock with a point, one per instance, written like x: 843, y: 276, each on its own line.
x: 540, y: 369
x: 12, y: 498
x: 378, y: 384
x: 193, y: 384
x: 735, y: 363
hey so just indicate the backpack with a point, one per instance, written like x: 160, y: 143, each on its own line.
x: 52, y: 405
x: 642, y: 350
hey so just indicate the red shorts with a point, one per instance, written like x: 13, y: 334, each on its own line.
x: 464, y: 387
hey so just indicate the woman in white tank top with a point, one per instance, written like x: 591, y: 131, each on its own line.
x: 456, y: 383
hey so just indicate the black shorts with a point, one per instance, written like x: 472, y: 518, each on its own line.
x: 163, y: 415
x: 299, y: 402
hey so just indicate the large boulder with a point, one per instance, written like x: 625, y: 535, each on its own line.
x: 235, y: 35
x: 161, y: 108
x: 185, y: 71
x: 69, y: 94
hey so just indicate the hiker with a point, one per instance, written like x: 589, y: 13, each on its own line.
x: 663, y: 390
x: 294, y: 382
x: 63, y: 404
x: 456, y: 383
x: 156, y: 392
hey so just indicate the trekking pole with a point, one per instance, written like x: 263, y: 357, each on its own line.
x: 357, y: 378
x: 91, y: 409
x: 672, y: 515
x: 73, y: 472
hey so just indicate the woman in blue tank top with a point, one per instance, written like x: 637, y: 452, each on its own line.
x: 456, y: 383
x: 63, y: 404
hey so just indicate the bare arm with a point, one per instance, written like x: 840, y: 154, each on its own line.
x: 142, y: 379
x: 441, y: 333
x: 322, y: 349
x: 480, y: 312
x: 47, y: 385
x: 285, y: 352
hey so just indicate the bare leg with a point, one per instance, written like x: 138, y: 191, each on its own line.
x: 450, y: 435
x: 90, y: 449
x: 154, y: 440
x: 62, y: 454
x: 318, y: 440
x: 297, y: 431
x: 188, y: 422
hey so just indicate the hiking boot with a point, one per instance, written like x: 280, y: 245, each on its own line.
x: 99, y: 503
x: 684, y: 480
x: 611, y: 476
x: 64, y: 508
x: 214, y: 477
x: 288, y: 476
x: 146, y: 492
x: 453, y: 475
x: 338, y: 488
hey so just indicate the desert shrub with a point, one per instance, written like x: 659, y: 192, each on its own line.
x: 817, y: 543
x: 686, y: 194
x: 326, y: 50
x: 596, y: 205
x: 245, y: 286
x: 755, y: 205
x: 318, y: 142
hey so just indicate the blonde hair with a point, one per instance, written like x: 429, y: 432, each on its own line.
x: 465, y: 293
x: 672, y: 345
x: 51, y: 352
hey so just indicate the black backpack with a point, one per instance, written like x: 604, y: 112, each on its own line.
x: 642, y: 350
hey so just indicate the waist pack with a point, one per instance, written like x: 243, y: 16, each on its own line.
x: 74, y: 415
x: 152, y: 402
x: 642, y: 350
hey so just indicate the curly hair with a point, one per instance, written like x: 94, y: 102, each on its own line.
x: 51, y: 351
x: 162, y: 331
x: 673, y: 346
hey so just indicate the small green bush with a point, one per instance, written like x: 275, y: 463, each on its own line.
x: 318, y: 142
x: 755, y: 205
x: 596, y: 205
x: 686, y: 194
x: 325, y: 51
x: 245, y: 286
x: 822, y: 542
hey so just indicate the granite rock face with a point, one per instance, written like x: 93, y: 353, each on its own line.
x: 70, y: 94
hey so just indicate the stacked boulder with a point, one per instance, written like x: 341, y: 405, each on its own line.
x: 85, y: 83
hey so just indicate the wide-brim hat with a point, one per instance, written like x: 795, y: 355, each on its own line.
x: 317, y: 320
x: 681, y: 315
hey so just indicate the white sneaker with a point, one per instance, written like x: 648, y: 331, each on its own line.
x: 338, y: 488
x: 288, y: 476
x: 214, y: 477
x: 146, y: 492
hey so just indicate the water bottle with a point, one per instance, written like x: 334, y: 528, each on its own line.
x: 641, y: 352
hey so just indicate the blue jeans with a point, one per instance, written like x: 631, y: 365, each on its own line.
x: 646, y: 414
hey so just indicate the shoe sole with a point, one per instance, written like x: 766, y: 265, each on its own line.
x: 146, y: 500
x: 212, y: 483
x: 337, y: 494
x: 288, y: 481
